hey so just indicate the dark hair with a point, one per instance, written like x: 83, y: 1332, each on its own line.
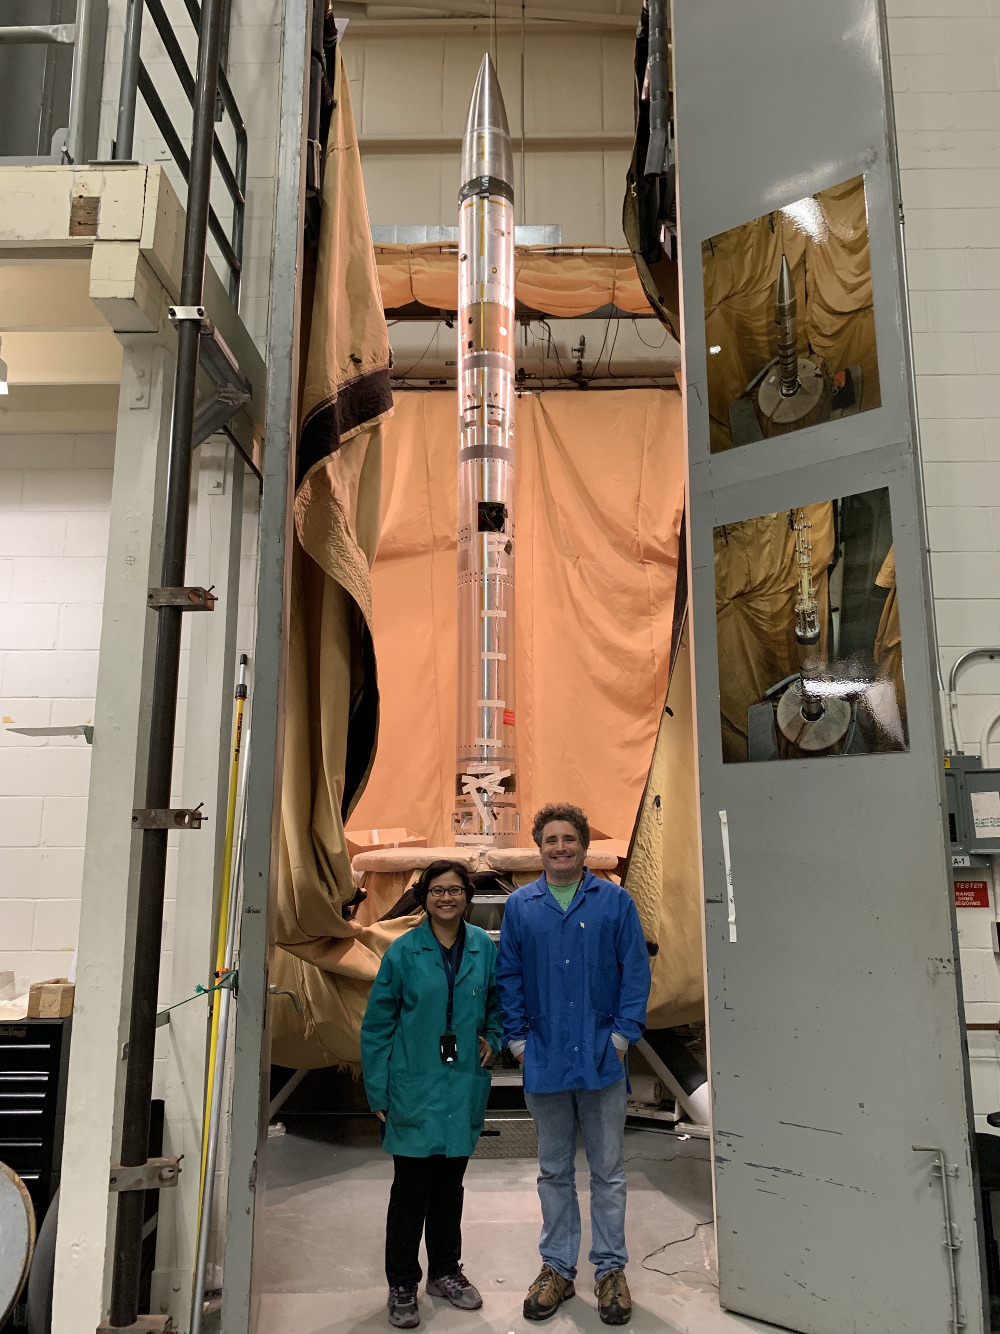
x: 432, y: 872
x: 561, y: 810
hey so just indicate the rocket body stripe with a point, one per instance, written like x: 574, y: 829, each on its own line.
x: 486, y: 768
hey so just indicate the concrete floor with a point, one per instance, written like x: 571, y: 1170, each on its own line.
x: 324, y: 1221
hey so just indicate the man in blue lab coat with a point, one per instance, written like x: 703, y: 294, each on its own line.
x: 573, y: 973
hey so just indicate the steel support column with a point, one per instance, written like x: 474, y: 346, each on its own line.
x: 153, y: 861
x: 207, y: 759
x: 110, y: 868
x: 248, y: 1122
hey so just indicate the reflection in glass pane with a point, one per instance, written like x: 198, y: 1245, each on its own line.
x: 789, y: 321
x: 810, y: 662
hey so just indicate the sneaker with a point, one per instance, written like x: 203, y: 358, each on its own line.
x: 457, y: 1289
x: 547, y: 1294
x: 402, y: 1305
x: 614, y: 1301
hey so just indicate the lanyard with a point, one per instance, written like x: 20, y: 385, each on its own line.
x: 452, y: 960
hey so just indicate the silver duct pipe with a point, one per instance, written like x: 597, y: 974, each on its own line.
x: 485, y: 785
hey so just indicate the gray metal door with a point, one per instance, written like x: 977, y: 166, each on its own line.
x: 839, y: 1078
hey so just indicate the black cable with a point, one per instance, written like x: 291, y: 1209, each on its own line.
x: 553, y: 349
x: 611, y: 354
x: 607, y: 330
x: 654, y: 346
x: 409, y: 371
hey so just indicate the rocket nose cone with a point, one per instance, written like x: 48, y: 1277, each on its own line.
x: 486, y: 146
x: 785, y: 295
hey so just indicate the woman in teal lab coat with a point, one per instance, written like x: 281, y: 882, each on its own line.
x: 432, y: 1027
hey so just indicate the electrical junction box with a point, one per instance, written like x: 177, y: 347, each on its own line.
x: 973, y: 809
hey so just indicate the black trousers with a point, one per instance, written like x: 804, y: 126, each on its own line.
x: 426, y: 1199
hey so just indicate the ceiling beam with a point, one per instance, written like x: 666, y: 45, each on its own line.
x: 593, y: 20
x: 380, y: 22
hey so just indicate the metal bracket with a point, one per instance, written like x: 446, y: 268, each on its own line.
x: 219, y: 364
x: 314, y: 166
x: 156, y: 1174
x: 169, y: 817
x: 188, y: 599
x: 182, y: 314
x: 85, y: 730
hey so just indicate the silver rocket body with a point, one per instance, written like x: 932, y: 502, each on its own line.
x: 486, y: 769
x: 796, y: 385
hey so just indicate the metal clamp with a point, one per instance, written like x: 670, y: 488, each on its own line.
x: 168, y: 817
x: 156, y: 1174
x: 188, y: 599
x: 182, y: 314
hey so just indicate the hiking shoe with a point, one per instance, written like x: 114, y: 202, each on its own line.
x: 457, y: 1289
x: 402, y: 1305
x: 547, y: 1294
x: 614, y: 1301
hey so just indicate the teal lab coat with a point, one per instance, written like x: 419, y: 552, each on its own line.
x: 430, y: 1107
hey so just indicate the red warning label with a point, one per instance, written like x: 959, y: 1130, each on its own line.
x: 972, y: 894
x: 508, y: 717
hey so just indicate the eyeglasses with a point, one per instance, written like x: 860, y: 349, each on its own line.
x: 440, y: 891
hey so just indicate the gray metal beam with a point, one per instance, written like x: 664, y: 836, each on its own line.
x: 39, y: 34
x: 248, y: 1122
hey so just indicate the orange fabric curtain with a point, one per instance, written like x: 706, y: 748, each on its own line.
x: 599, y: 497
x: 564, y: 283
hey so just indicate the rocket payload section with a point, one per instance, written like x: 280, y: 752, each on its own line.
x: 486, y: 771
x: 797, y: 385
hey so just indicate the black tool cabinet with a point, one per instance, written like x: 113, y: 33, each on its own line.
x: 34, y: 1055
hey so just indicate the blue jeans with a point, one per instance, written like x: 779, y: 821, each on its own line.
x: 600, y: 1114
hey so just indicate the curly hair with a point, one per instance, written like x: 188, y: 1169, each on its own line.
x: 561, y: 810
x: 432, y: 872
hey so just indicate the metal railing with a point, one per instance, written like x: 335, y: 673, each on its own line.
x: 77, y: 35
x: 136, y: 80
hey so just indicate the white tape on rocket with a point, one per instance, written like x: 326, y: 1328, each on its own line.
x: 730, y: 899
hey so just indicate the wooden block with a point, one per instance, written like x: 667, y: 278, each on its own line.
x: 52, y: 999
x: 371, y: 840
x: 124, y: 288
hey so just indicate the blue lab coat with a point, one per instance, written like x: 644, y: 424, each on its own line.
x: 568, y: 981
x: 430, y: 1107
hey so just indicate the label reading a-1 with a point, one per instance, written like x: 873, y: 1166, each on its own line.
x: 972, y: 894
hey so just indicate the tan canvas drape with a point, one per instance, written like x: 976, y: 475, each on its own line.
x: 831, y: 266
x: 664, y: 873
x: 568, y: 282
x: 331, y: 692
x: 755, y: 583
x: 346, y: 384
x: 598, y: 505
x: 599, y: 499
x: 888, y: 640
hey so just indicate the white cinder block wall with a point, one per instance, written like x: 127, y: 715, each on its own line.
x: 946, y: 75
x: 55, y: 494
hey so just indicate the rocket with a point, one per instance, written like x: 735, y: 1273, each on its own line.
x: 486, y: 769
x: 786, y: 318
x: 796, y: 387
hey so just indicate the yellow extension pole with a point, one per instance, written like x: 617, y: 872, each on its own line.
x: 224, y: 897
